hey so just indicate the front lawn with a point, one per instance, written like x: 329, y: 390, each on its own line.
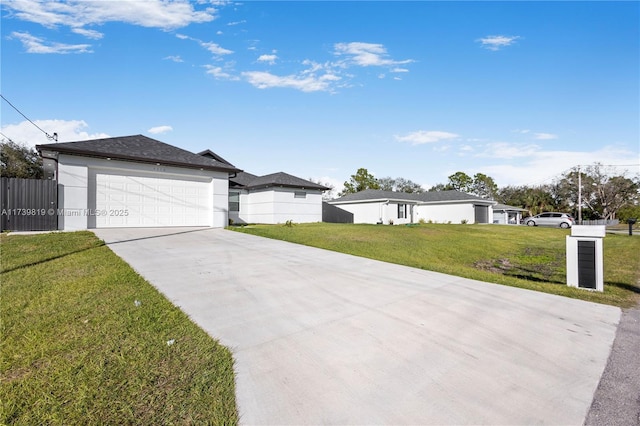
x: 86, y: 340
x: 532, y: 258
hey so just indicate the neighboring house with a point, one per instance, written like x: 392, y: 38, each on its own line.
x: 274, y: 198
x: 375, y: 206
x: 509, y: 215
x: 136, y: 181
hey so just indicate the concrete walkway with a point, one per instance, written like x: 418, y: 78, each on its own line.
x: 325, y: 338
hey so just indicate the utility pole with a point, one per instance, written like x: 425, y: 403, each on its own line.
x: 579, y: 196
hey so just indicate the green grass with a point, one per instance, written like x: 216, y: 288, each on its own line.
x: 532, y: 258
x: 77, y: 349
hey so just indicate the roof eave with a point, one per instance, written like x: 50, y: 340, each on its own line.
x: 120, y: 157
x: 282, y: 185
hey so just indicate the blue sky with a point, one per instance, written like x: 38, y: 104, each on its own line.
x: 520, y: 91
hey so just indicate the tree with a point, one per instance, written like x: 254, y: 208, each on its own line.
x: 535, y: 199
x: 480, y: 185
x: 19, y: 161
x: 329, y: 193
x: 406, y: 185
x: 359, y: 182
x: 460, y: 181
x: 602, y: 191
x: 387, y: 183
x: 399, y: 185
x: 439, y: 187
x: 484, y: 186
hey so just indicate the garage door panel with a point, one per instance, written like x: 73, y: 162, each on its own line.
x: 135, y: 201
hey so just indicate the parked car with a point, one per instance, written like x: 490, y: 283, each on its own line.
x: 563, y: 220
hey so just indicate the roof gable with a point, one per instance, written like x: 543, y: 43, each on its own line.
x: 138, y: 148
x: 210, y: 154
x: 284, y: 180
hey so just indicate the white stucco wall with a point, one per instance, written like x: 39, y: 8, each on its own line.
x: 369, y: 212
x: 76, y: 191
x: 382, y: 211
x: 377, y: 212
x: 278, y: 205
x: 500, y: 217
x: 445, y: 213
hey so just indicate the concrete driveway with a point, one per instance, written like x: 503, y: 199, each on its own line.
x: 325, y: 338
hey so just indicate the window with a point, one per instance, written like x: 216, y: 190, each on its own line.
x: 300, y: 194
x: 402, y: 211
x: 234, y: 201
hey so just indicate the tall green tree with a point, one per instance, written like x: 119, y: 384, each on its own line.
x: 460, y: 181
x: 400, y: 185
x: 603, y: 191
x: 359, y: 182
x: 19, y: 161
x: 484, y: 186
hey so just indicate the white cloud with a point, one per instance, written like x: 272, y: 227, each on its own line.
x: 367, y: 54
x: 76, y: 14
x: 505, y: 150
x: 544, y: 136
x: 542, y: 167
x: 232, y: 24
x: 92, y: 34
x: 219, y: 73
x: 424, y: 136
x: 497, y: 42
x: 174, y: 58
x: 160, y: 129
x: 270, y: 59
x: 67, y: 130
x: 304, y: 83
x: 34, y: 44
x: 215, y: 48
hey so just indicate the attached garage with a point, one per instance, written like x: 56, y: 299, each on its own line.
x: 150, y: 201
x: 136, y: 181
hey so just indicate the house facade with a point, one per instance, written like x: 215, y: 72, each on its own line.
x: 274, y: 198
x: 390, y: 207
x: 136, y: 181
x: 507, y: 215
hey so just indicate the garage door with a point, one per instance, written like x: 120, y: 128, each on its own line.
x: 135, y: 201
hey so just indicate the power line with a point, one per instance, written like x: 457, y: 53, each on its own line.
x: 53, y: 137
x: 6, y: 137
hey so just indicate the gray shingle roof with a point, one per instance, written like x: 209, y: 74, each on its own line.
x: 210, y: 154
x: 283, y: 179
x: 242, y: 179
x: 138, y: 148
x: 425, y: 197
x: 507, y: 207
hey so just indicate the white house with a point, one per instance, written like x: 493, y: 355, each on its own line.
x: 390, y: 207
x: 507, y: 215
x: 271, y: 199
x: 136, y: 181
x: 274, y: 198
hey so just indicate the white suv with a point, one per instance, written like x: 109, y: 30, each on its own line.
x: 563, y: 220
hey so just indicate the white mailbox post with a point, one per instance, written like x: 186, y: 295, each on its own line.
x: 584, y: 257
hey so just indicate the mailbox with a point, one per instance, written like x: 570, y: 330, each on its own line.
x: 584, y: 257
x: 631, y: 222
